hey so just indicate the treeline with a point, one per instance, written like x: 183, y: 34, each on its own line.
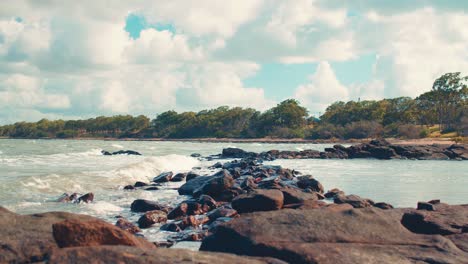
x: 445, y: 107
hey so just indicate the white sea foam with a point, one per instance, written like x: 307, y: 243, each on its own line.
x: 117, y: 146
x: 150, y: 167
x: 36, y: 183
x: 299, y: 148
x: 103, y: 207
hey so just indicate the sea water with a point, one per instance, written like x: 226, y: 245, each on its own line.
x: 34, y: 173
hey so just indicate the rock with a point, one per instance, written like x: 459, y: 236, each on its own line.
x: 216, y: 186
x: 140, y: 184
x: 260, y: 200
x: 28, y: 238
x: 106, y: 153
x: 163, y: 177
x: 152, y: 188
x: 141, y: 206
x: 185, y: 208
x: 425, y: 206
x: 207, y: 203
x: 87, y: 198
x: 65, y: 198
x: 368, y: 235
x: 193, y: 184
x: 78, y: 233
x: 460, y: 240
x: 191, y: 176
x: 249, y: 183
x: 152, y: 217
x: 384, y: 206
x: 195, y: 155
x: 163, y: 244
x: 128, y: 226
x: 334, y: 193
x: 354, y: 200
x: 217, y: 165
x: 294, y: 196
x: 223, y: 211
x: 445, y: 220
x: 179, y: 177
x: 309, y: 182
x: 236, y: 153
x: 120, y: 152
x: 129, y: 187
x: 123, y: 254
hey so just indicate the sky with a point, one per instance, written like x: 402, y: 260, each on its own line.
x: 81, y: 59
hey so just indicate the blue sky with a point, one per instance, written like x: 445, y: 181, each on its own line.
x: 79, y: 60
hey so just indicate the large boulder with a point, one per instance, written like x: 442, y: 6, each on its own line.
x: 368, y: 235
x: 123, y: 254
x: 163, y: 177
x: 28, y: 238
x: 294, y: 196
x: 259, y: 200
x: 152, y: 217
x: 443, y: 220
x: 308, y: 182
x: 79, y: 233
x: 217, y: 185
x: 193, y: 184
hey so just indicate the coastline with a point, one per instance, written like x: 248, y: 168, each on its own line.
x: 395, y: 141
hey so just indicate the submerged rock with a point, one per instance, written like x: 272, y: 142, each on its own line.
x: 120, y: 152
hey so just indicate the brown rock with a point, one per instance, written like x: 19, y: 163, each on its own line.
x: 293, y: 195
x: 260, y: 200
x: 76, y: 233
x: 126, y: 225
x: 384, y: 206
x: 354, y: 200
x: 141, y: 206
x: 87, y: 198
x: 334, y: 193
x: 368, y: 235
x: 163, y: 177
x: 152, y: 217
x: 123, y: 254
x: 308, y: 181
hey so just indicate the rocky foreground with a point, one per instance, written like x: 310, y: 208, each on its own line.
x: 377, y: 149
x: 246, y: 212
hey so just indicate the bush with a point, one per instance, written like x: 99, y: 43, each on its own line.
x: 326, y: 131
x: 67, y: 134
x: 363, y: 129
x: 284, y: 132
x: 410, y: 131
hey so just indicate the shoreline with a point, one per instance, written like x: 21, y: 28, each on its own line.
x: 395, y: 141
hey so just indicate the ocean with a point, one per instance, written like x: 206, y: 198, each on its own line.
x: 34, y: 173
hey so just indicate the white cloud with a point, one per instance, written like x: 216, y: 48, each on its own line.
x: 324, y: 88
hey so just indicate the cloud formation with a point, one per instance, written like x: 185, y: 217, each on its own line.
x: 75, y: 59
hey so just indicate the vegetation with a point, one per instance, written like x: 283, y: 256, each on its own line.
x: 444, y: 109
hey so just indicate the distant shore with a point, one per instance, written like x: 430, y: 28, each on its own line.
x: 422, y: 141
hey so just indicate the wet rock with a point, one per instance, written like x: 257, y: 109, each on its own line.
x: 163, y: 244
x: 152, y: 188
x: 354, y: 200
x: 106, y: 153
x: 120, y: 152
x: 129, y: 187
x: 191, y: 176
x: 140, y: 184
x: 77, y: 233
x: 163, y: 177
x: 217, y: 185
x: 65, y: 198
x: 217, y: 165
x: 272, y: 182
x: 444, y: 220
x: 207, y: 203
x: 426, y: 206
x: 141, y: 206
x: 334, y: 193
x: 223, y: 211
x: 195, y: 155
x: 368, y: 235
x: 249, y: 183
x: 193, y: 184
x: 236, y: 153
x: 185, y: 208
x: 384, y: 206
x: 259, y: 200
x: 309, y: 182
x: 126, y: 225
x: 152, y: 217
x: 179, y: 177
x: 87, y: 198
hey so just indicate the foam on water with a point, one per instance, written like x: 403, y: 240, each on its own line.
x: 117, y: 146
x: 148, y: 168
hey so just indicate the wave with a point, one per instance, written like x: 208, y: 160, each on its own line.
x: 117, y: 146
x: 152, y: 166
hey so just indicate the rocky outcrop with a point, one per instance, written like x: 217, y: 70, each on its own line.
x: 259, y: 200
x: 123, y: 254
x: 367, y: 235
x: 377, y: 149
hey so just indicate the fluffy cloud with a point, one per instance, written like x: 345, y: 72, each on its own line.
x: 323, y: 88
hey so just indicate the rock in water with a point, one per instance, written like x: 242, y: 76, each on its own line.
x: 152, y: 217
x: 141, y: 206
x: 259, y: 200
x: 163, y: 177
x: 179, y: 177
x: 87, y: 198
x: 126, y: 225
x: 309, y: 182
